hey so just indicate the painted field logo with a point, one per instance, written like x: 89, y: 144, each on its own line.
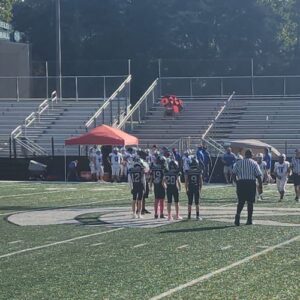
x: 121, y: 216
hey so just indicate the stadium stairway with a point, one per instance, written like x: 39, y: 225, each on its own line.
x: 163, y: 130
x: 67, y: 119
x: 12, y: 114
x: 271, y: 119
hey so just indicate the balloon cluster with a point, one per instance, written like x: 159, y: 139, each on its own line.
x: 172, y: 102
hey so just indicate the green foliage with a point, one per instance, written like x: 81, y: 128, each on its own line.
x: 287, y: 14
x: 6, y: 10
x: 222, y: 35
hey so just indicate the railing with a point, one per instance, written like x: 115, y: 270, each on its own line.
x: 114, y: 106
x: 73, y: 87
x: 16, y: 132
x: 141, y: 108
x: 243, y: 85
x: 45, y: 105
x: 217, y: 116
x: 208, y: 140
x: 18, y: 135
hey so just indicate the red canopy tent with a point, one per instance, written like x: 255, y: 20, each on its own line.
x: 104, y: 135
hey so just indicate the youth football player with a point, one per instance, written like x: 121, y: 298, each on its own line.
x: 115, y: 162
x: 282, y: 172
x: 99, y: 165
x: 263, y: 168
x: 157, y: 176
x: 193, y: 186
x: 172, y: 182
x: 137, y: 183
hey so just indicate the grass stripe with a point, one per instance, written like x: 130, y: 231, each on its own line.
x: 58, y: 243
x: 31, y: 194
x: 224, y: 269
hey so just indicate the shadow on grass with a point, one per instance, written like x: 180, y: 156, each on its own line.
x: 23, y: 208
x: 199, y: 229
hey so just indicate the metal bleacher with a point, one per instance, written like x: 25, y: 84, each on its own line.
x: 41, y: 129
x: 13, y: 112
x: 163, y: 130
x: 271, y: 119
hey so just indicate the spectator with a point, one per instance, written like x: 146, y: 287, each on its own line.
x: 72, y: 171
x: 199, y: 153
x: 228, y: 160
x: 207, y: 163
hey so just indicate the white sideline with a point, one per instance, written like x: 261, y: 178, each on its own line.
x: 68, y: 205
x: 58, y: 243
x: 209, y: 275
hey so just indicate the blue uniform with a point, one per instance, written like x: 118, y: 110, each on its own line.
x: 200, y: 155
x: 268, y: 159
x: 229, y: 159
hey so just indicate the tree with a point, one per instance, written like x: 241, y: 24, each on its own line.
x: 6, y: 10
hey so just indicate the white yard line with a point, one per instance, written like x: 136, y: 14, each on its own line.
x: 98, y: 244
x: 15, y: 242
x: 182, y: 247
x: 139, y: 245
x: 226, y: 247
x: 68, y: 205
x: 58, y: 243
x: 224, y: 269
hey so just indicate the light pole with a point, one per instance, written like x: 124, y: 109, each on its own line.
x: 58, y: 52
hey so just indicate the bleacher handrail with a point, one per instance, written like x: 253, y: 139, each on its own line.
x: 93, y: 119
x: 29, y: 120
x: 16, y: 132
x: 138, y: 103
x: 217, y: 116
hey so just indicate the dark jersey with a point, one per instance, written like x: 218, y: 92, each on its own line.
x: 137, y: 177
x: 157, y: 174
x: 171, y: 178
x: 194, y: 178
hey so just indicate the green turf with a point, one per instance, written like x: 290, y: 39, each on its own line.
x: 81, y: 269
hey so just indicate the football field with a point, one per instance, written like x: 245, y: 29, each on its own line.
x: 77, y: 241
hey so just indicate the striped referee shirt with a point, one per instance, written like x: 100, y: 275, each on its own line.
x: 246, y: 169
x: 295, y: 165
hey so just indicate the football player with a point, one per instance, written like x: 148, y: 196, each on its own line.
x: 137, y: 183
x: 282, y: 172
x: 115, y: 162
x: 172, y: 181
x: 185, y: 164
x: 263, y: 168
x: 193, y: 185
x: 99, y: 165
x: 157, y: 175
x: 92, y: 162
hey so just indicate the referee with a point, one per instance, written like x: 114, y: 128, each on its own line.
x: 245, y: 173
x: 295, y: 165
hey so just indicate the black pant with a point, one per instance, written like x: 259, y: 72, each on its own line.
x: 246, y: 191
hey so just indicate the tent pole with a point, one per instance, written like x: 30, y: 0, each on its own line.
x: 213, y: 169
